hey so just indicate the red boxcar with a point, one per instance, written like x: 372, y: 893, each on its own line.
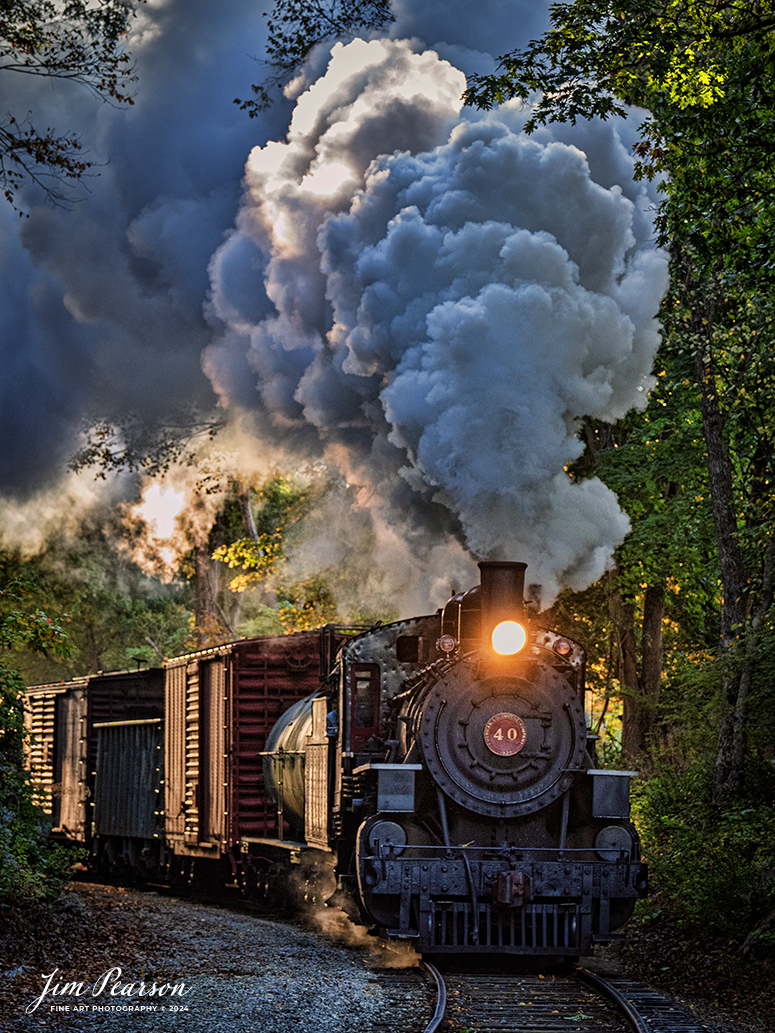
x: 221, y: 705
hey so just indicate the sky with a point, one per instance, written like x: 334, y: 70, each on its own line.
x: 368, y: 275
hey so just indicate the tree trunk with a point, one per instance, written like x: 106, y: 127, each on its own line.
x: 93, y: 650
x: 733, y: 579
x: 248, y: 521
x: 652, y: 655
x: 209, y: 628
x: 640, y: 685
x: 623, y: 618
x: 730, y: 754
x: 730, y: 751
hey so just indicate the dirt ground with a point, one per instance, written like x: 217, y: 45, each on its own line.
x: 714, y: 977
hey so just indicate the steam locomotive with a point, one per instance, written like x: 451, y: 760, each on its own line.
x: 438, y: 771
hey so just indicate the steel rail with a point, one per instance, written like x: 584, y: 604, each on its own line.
x: 441, y: 997
x: 634, y: 1017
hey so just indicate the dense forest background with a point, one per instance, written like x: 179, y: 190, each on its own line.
x: 680, y: 632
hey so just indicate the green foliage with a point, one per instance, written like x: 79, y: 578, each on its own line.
x: 263, y: 621
x: 583, y: 616
x: 312, y: 602
x: 709, y: 868
x: 689, y: 708
x: 306, y: 605
x: 692, y: 703
x: 656, y: 464
x: 280, y: 503
x: 301, y: 604
x: 77, y: 41
x: 600, y: 55
x: 117, y: 618
x: 296, y: 26
x: 30, y: 869
x: 292, y: 515
x: 257, y: 558
x: 761, y: 730
x: 20, y: 625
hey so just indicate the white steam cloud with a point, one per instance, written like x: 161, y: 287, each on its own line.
x: 449, y: 298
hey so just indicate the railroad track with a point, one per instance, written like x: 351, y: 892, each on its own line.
x: 578, y: 1003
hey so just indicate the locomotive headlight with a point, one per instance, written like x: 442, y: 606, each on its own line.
x: 508, y: 638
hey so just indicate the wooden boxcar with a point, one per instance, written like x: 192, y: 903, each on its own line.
x: 128, y: 827
x: 62, y: 757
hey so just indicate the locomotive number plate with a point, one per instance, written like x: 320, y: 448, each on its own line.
x: 505, y: 734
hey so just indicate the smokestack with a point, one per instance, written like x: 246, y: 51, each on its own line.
x: 503, y: 585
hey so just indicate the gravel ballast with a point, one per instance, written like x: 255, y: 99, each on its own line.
x: 220, y: 970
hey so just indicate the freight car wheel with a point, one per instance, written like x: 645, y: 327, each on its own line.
x: 253, y: 878
x: 320, y: 882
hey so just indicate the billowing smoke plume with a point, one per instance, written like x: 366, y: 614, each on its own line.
x: 101, y: 300
x: 449, y: 298
x: 414, y: 292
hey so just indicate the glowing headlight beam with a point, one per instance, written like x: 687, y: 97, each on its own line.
x: 508, y: 638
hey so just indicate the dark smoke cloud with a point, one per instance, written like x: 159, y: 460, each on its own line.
x: 101, y: 304
x: 467, y: 34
